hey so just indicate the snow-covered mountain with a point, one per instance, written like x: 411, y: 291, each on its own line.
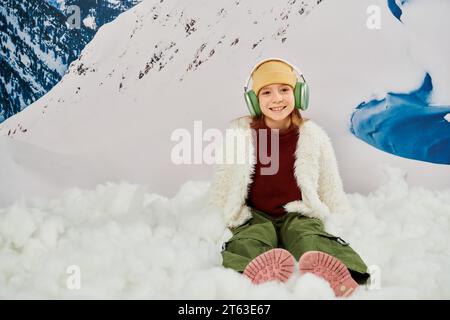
x: 36, y: 48
x: 38, y: 44
x: 163, y: 65
x: 95, y: 13
x: 121, y: 89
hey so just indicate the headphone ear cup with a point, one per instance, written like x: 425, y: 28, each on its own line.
x: 301, y: 95
x: 252, y: 103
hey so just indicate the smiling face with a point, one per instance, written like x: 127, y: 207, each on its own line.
x: 277, y: 102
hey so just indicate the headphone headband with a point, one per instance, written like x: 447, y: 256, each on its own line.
x: 299, y: 73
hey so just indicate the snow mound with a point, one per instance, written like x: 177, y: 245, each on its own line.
x: 126, y: 243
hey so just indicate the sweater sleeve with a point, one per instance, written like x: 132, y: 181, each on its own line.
x: 330, y: 188
x: 219, y: 187
x: 229, y: 182
x: 222, y: 177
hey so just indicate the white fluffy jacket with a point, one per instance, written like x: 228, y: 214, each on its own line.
x: 315, y: 170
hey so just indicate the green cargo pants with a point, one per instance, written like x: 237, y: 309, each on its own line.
x: 293, y: 232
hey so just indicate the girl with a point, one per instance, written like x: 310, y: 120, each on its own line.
x: 276, y: 214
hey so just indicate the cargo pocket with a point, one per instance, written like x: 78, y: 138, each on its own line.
x: 340, y: 249
x: 326, y: 235
x: 252, y: 240
x: 318, y: 241
x: 234, y: 231
x: 261, y: 235
x: 335, y: 238
x: 243, y: 236
x: 321, y: 232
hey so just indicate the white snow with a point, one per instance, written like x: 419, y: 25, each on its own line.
x: 96, y: 150
x: 132, y: 244
x: 89, y: 22
x: 114, y: 2
x: 25, y: 59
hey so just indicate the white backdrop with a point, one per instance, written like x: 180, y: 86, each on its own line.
x: 114, y: 122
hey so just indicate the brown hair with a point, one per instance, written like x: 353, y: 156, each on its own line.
x: 296, y: 120
x: 257, y: 122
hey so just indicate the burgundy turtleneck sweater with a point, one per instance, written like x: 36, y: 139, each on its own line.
x: 268, y: 193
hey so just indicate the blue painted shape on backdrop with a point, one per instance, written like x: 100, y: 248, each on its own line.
x: 395, y: 8
x: 405, y: 125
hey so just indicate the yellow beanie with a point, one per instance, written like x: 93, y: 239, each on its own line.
x: 272, y: 71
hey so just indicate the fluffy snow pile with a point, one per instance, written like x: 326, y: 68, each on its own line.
x: 120, y: 241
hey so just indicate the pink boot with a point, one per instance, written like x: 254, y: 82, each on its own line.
x: 275, y: 264
x: 329, y: 268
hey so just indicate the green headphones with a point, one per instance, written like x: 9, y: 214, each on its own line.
x: 301, y: 92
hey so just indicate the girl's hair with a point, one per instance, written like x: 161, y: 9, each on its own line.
x: 296, y: 120
x: 257, y: 122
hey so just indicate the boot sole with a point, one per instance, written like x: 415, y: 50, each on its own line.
x: 276, y: 264
x: 329, y: 268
